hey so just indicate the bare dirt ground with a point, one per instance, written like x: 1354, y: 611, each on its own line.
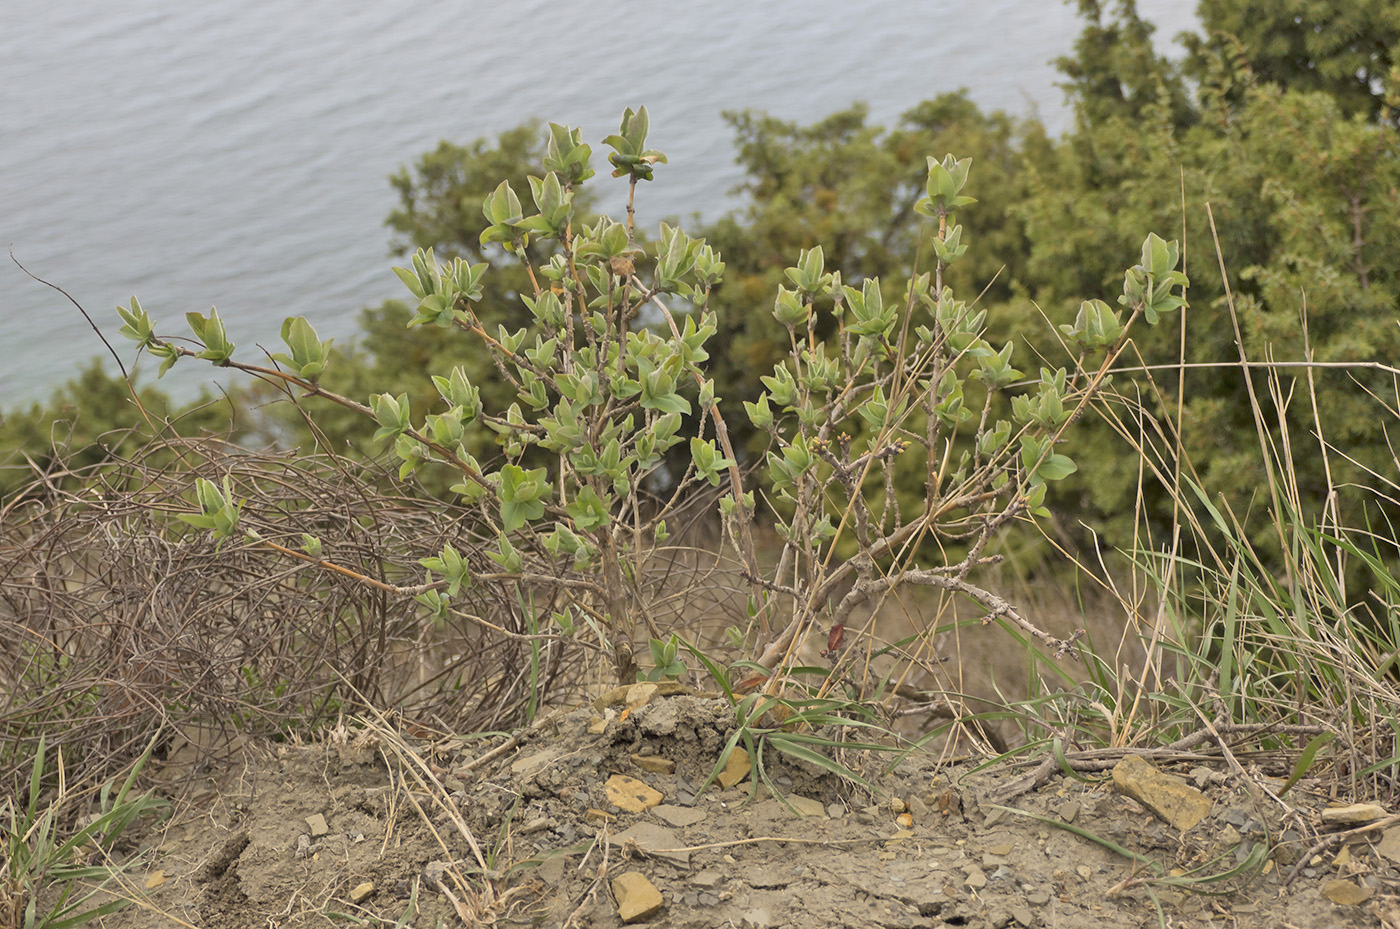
x: 373, y: 827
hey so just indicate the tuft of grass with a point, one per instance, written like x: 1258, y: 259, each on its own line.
x: 48, y: 881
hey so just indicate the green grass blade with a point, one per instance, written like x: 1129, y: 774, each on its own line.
x: 1305, y: 760
x: 801, y: 752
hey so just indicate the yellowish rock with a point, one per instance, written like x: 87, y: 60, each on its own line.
x: 1356, y: 814
x: 627, y: 694
x: 637, y: 898
x: 655, y: 764
x: 155, y: 879
x: 640, y: 694
x: 630, y: 794
x: 1389, y: 845
x: 362, y: 892
x: 1346, y: 893
x: 1169, y: 798
x: 736, y: 770
x: 807, y: 806
x: 599, y: 816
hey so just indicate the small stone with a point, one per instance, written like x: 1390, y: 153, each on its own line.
x: 552, y: 871
x: 597, y: 725
x: 905, y: 820
x: 1084, y: 871
x: 1022, y: 915
x: 1169, y: 798
x: 1389, y: 845
x: 599, y: 816
x: 918, y: 807
x: 1346, y: 893
x: 655, y: 764
x: 652, y: 839
x: 1354, y: 815
x: 640, y: 694
x: 317, y: 824
x: 678, y: 816
x: 736, y: 769
x: 1038, y: 898
x: 707, y: 878
x: 807, y: 806
x: 1203, y: 777
x: 637, y: 898
x: 362, y: 892
x: 897, y: 805
x: 532, y: 765
x: 976, y: 879
x: 155, y: 879
x: 1001, y: 850
x: 835, y: 810
x: 1069, y: 810
x: 630, y: 794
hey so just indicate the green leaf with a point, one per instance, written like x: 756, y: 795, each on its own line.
x: 1305, y: 760
x: 138, y: 326
x: 308, y: 354
x: 522, y: 494
x: 588, y: 510
x: 392, y: 414
x: 1056, y: 467
x: 209, y: 330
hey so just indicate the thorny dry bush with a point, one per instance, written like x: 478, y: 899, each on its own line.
x: 118, y: 621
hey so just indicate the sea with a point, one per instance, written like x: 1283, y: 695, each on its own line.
x: 236, y: 153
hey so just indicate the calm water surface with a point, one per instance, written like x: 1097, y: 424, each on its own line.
x: 235, y: 152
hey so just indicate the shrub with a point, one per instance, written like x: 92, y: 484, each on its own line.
x: 614, y: 425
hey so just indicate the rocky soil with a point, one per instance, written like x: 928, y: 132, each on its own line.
x: 594, y: 817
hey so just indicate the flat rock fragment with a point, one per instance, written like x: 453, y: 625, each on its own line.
x: 1169, y: 798
x: 1355, y: 814
x: 680, y: 816
x: 630, y: 794
x: 1389, y: 845
x: 655, y: 764
x: 1345, y: 893
x: 637, y: 898
x: 656, y: 841
x: 807, y: 806
x: 736, y: 769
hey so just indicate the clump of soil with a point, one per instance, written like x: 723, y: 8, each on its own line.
x: 372, y: 828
